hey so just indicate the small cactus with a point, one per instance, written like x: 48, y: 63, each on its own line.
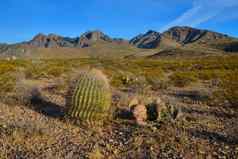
x: 168, y: 112
x: 89, y: 97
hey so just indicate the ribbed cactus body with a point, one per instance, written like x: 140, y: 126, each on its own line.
x: 89, y: 97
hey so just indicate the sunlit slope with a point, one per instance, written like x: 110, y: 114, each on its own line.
x: 99, y: 50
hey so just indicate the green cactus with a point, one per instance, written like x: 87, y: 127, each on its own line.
x: 89, y: 97
x: 168, y: 112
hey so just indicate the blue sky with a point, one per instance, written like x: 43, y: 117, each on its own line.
x: 22, y: 19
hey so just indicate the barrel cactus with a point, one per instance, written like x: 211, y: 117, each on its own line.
x: 89, y: 97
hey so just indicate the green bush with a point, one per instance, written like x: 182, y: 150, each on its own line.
x: 6, y: 68
x: 181, y: 79
x: 7, y: 83
x: 229, y: 87
x: 45, y: 69
x: 153, y: 77
x: 55, y: 71
x: 212, y: 74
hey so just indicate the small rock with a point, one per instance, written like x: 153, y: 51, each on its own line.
x: 110, y: 140
x: 140, y: 114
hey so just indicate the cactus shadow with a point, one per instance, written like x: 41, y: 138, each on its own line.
x: 47, y: 108
x: 123, y: 113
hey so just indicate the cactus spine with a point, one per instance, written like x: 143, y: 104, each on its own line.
x: 89, y: 97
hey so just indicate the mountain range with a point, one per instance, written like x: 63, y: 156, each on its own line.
x: 96, y: 43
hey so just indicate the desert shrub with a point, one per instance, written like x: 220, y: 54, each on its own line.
x: 168, y: 112
x: 154, y: 76
x: 121, y: 78
x: 55, y: 71
x: 96, y: 154
x: 229, y: 89
x: 181, y: 79
x: 116, y: 81
x: 212, y: 74
x: 33, y: 72
x: 7, y: 83
x: 127, y: 79
x: 206, y: 75
x: 6, y: 68
x: 46, y: 70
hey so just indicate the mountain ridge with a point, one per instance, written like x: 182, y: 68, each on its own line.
x: 181, y: 35
x: 178, y: 37
x: 53, y: 40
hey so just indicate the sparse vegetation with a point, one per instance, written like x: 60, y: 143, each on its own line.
x: 39, y: 129
x: 228, y: 90
x: 7, y: 83
x: 181, y: 79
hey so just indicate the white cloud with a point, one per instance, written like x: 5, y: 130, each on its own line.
x: 203, y: 11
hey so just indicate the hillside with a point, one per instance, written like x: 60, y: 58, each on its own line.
x: 97, y: 44
x: 177, y: 37
x: 101, y: 50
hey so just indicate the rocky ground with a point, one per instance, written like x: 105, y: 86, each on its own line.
x: 39, y: 130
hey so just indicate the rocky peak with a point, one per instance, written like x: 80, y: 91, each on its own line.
x: 148, y: 40
x: 151, y: 32
x: 176, y: 36
x: 95, y: 36
x: 90, y: 37
x: 51, y: 40
x: 54, y: 37
x: 39, y: 37
x: 184, y: 35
